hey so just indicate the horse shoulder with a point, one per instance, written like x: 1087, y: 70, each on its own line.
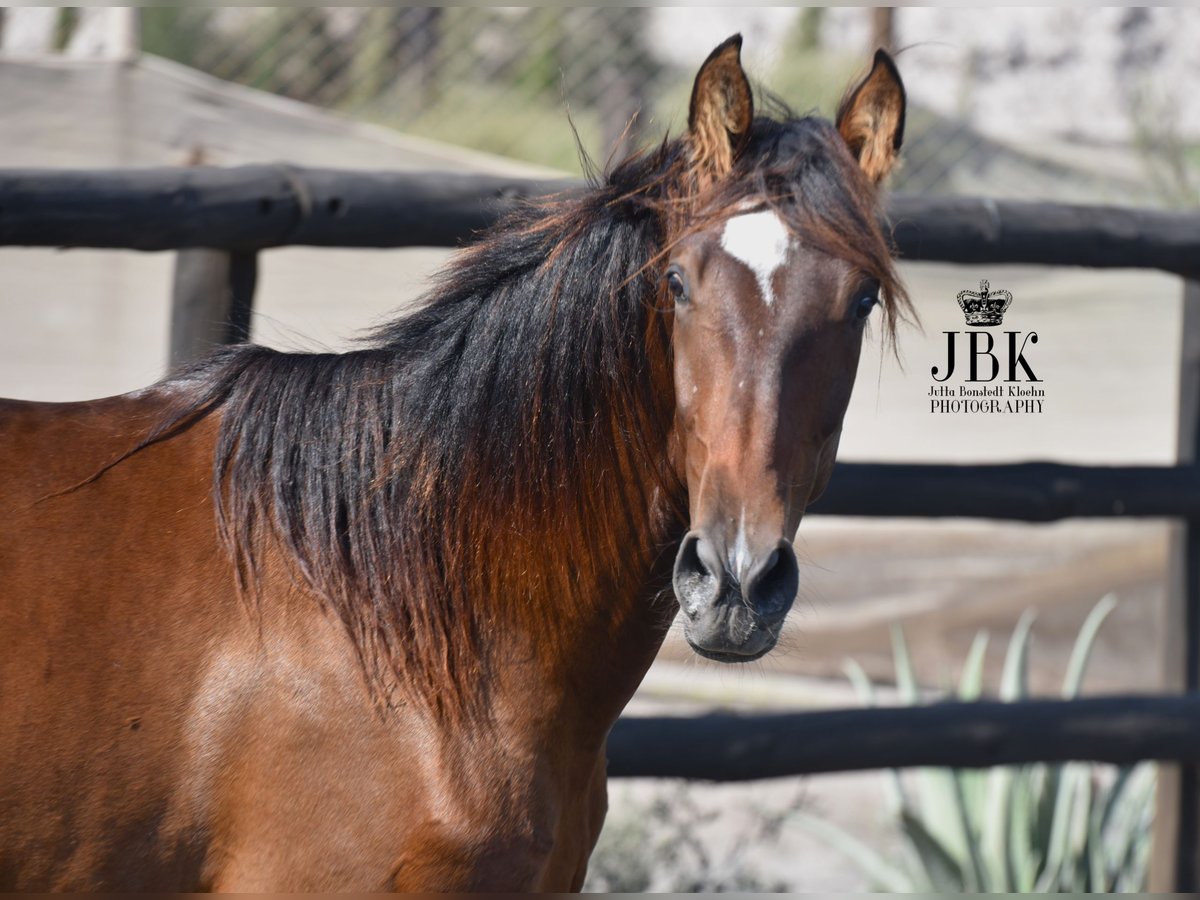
x: 310, y: 785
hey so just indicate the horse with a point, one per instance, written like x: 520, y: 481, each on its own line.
x: 363, y: 620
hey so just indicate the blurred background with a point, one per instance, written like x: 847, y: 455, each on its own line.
x: 1005, y: 104
x: 1066, y: 104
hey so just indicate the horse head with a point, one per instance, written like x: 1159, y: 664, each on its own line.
x: 772, y: 274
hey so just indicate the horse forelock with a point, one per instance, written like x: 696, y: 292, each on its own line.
x: 800, y: 167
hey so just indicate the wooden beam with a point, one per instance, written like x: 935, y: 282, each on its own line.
x: 212, y: 300
x: 1026, y: 492
x: 883, y: 29
x: 725, y: 747
x: 250, y: 207
x: 261, y: 206
x: 982, y: 230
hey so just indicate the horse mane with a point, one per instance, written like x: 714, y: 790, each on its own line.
x: 507, y: 442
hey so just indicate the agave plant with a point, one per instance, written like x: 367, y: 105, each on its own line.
x: 1037, y: 828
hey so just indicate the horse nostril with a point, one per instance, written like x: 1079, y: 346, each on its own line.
x: 697, y: 576
x: 696, y: 557
x: 771, y: 587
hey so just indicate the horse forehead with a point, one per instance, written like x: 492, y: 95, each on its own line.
x: 760, y: 241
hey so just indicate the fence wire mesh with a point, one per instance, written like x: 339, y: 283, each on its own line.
x: 524, y: 82
x: 499, y: 80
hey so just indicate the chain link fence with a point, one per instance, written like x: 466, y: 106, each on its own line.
x: 500, y: 80
x: 520, y: 82
x: 536, y: 83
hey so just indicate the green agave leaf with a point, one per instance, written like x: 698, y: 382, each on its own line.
x: 1116, y: 793
x: 995, y: 812
x: 1046, y: 795
x: 940, y: 812
x: 1115, y: 824
x: 897, y: 797
x: 1080, y: 653
x: 1127, y: 829
x: 1139, y: 860
x: 1134, y: 868
x: 941, y: 869
x: 882, y: 873
x: 973, y: 784
x: 1022, y: 856
x: 1058, y: 846
x: 861, y: 682
x: 1031, y: 828
x: 977, y: 876
x: 906, y: 678
x: 1097, y: 880
x: 1078, y: 847
x: 1014, y: 678
x: 970, y: 683
x: 995, y: 819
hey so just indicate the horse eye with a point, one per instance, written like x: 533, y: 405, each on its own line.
x: 676, y: 286
x: 865, y: 305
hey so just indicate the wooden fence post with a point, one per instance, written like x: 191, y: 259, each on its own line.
x: 1175, y: 860
x: 211, y: 302
x: 883, y: 29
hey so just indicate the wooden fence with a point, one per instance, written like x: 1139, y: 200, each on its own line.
x: 222, y: 218
x: 723, y: 747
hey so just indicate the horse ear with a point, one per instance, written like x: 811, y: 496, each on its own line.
x: 871, y: 118
x: 721, y: 110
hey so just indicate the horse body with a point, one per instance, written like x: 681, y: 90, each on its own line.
x: 180, y: 734
x: 81, y: 611
x: 363, y: 621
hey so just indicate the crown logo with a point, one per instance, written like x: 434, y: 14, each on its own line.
x: 985, y: 307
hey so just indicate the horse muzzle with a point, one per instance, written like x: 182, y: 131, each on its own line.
x: 734, y: 608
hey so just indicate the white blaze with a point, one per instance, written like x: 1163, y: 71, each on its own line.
x: 760, y: 241
x: 741, y: 552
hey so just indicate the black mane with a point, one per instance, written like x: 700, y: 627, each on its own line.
x: 427, y: 484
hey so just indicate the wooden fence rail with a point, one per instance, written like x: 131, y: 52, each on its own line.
x: 1024, y: 492
x: 261, y: 206
x: 248, y: 208
x: 722, y: 747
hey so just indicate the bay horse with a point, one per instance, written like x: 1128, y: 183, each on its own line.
x: 362, y: 621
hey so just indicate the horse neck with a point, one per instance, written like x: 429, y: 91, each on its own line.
x: 564, y: 505
x: 482, y: 498
x: 583, y: 596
